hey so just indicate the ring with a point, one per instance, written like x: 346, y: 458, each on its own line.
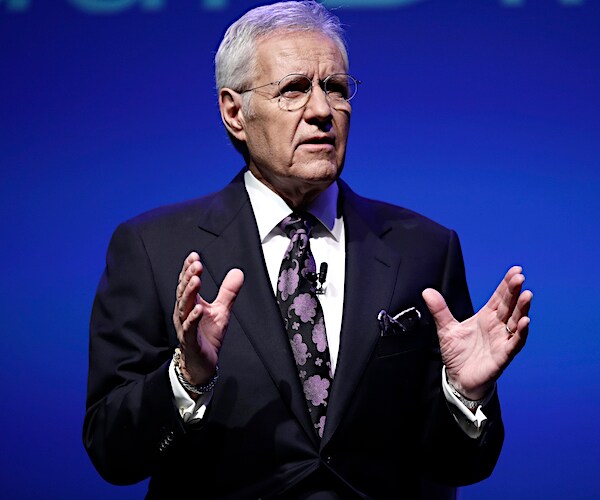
x: 510, y: 332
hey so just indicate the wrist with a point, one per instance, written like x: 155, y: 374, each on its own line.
x: 471, y: 399
x: 195, y: 384
x: 193, y: 365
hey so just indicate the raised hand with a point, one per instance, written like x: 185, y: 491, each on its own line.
x: 201, y: 326
x: 477, y: 351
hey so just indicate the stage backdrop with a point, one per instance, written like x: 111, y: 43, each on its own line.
x: 481, y: 114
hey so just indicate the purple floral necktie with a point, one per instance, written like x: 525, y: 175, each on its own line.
x: 303, y: 317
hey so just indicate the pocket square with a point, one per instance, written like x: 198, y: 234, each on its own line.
x: 403, y: 322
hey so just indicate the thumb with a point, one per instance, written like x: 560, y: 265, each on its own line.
x: 438, y: 308
x: 232, y: 283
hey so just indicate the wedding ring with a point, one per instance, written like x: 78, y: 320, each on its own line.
x: 510, y: 332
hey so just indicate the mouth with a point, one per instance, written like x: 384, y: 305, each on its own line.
x: 319, y: 141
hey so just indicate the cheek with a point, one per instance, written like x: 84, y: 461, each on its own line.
x: 342, y: 134
x: 272, y: 141
x: 342, y: 122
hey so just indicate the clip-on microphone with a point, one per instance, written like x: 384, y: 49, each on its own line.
x: 319, y: 279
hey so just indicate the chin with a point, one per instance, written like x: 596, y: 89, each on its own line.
x: 319, y: 172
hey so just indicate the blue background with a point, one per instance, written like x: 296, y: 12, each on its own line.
x: 481, y: 114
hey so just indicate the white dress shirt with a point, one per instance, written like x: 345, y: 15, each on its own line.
x: 328, y: 245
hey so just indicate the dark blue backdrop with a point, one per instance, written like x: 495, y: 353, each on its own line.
x: 482, y: 114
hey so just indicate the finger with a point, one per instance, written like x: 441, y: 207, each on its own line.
x: 190, y: 327
x: 517, y: 341
x: 523, y: 329
x: 194, y: 269
x: 189, y: 298
x: 184, y: 275
x: 230, y: 288
x: 497, y: 296
x: 192, y: 257
x: 187, y: 292
x: 510, y: 298
x: 438, y: 308
x: 520, y: 311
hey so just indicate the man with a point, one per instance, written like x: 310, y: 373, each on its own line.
x: 228, y: 376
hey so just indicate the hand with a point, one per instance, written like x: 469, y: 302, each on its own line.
x: 477, y: 351
x: 201, y: 326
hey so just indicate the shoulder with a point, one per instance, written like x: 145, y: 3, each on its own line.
x: 161, y: 238
x: 209, y: 211
x: 382, y: 216
x: 169, y: 215
x: 166, y: 227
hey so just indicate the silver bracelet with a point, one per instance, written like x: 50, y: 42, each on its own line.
x: 196, y: 389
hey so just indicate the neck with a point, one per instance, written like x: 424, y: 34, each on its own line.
x: 297, y: 194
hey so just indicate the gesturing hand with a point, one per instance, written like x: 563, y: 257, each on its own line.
x: 477, y: 350
x: 200, y: 325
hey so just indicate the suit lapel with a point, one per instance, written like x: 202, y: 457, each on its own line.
x: 371, y: 272
x: 235, y: 242
x: 231, y: 239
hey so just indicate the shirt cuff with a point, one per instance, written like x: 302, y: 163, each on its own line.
x: 190, y: 411
x: 471, y: 423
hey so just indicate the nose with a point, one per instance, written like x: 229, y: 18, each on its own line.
x: 318, y: 107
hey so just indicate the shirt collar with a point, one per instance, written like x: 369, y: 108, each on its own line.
x: 270, y: 209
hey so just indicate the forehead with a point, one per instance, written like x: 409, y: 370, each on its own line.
x: 309, y: 53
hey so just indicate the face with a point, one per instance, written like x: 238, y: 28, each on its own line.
x: 296, y: 153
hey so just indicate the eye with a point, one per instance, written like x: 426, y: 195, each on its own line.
x: 294, y: 86
x: 337, y: 87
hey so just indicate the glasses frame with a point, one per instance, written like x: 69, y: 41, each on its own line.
x: 322, y: 84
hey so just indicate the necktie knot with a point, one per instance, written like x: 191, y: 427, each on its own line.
x: 297, y: 223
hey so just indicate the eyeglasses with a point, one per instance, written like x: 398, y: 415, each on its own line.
x: 295, y: 89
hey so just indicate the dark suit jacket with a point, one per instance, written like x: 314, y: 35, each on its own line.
x: 389, y: 432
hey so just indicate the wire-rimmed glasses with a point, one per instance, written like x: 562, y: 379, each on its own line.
x: 295, y: 89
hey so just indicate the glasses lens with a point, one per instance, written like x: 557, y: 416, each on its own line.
x: 295, y: 90
x: 340, y: 87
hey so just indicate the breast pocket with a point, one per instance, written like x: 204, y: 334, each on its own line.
x: 401, y: 343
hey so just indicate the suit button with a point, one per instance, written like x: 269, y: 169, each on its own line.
x: 328, y: 459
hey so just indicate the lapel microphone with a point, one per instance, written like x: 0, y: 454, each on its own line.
x: 319, y: 278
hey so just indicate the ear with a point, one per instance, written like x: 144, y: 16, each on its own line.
x: 230, y: 105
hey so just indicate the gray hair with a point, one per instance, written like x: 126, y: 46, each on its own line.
x: 235, y: 61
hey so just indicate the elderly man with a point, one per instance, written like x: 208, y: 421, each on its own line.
x: 224, y: 363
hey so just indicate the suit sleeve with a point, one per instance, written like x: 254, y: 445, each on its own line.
x: 131, y: 419
x: 453, y: 457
